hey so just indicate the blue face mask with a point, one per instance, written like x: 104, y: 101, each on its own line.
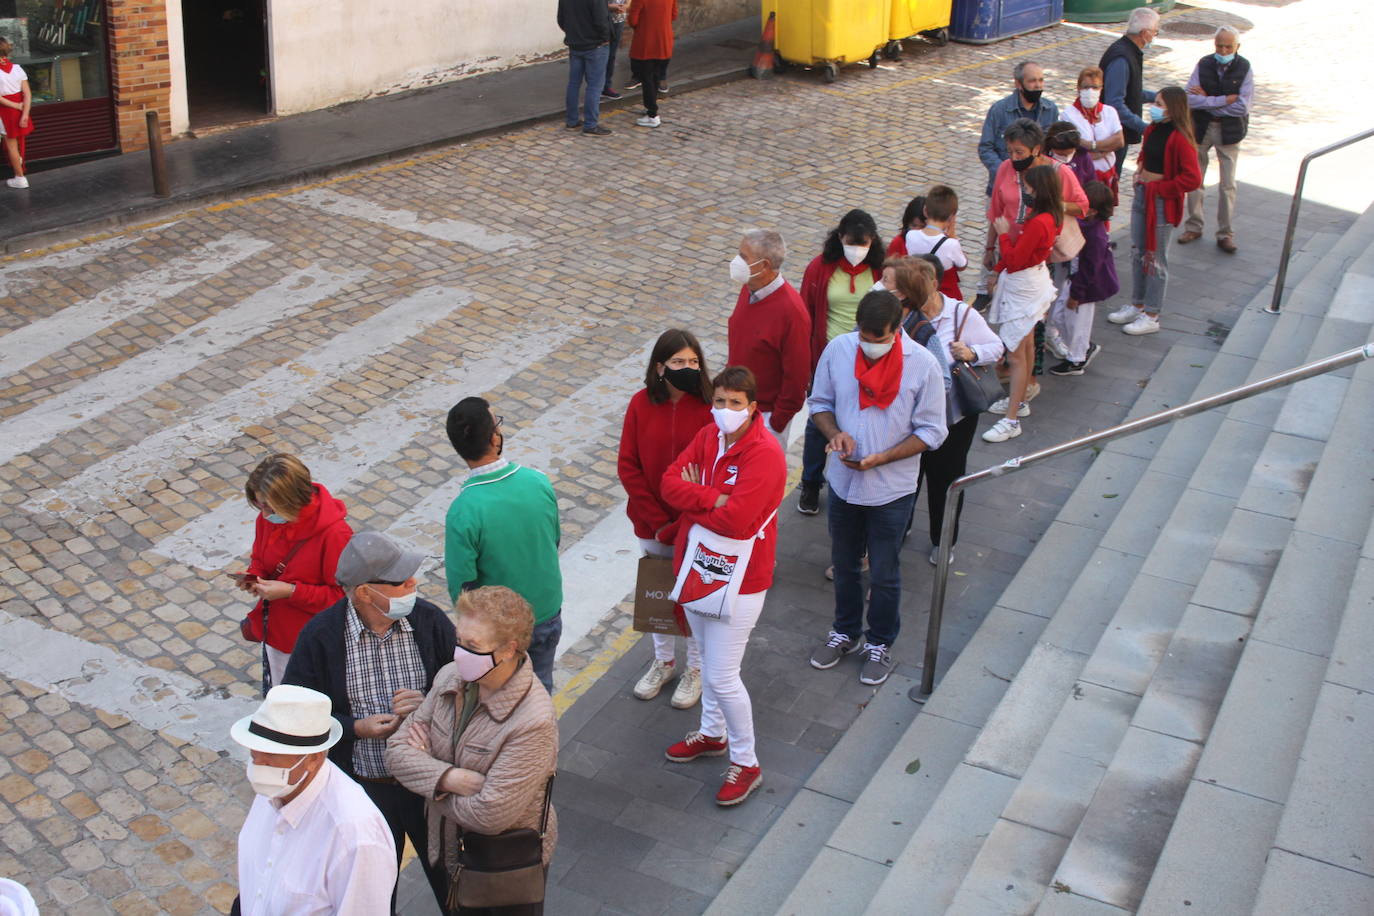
x: 1224, y: 59
x: 1156, y: 113
x: 275, y: 519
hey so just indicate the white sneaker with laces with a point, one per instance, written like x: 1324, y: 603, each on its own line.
x: 20, y: 182
x: 1000, y: 406
x: 647, y: 121
x: 1055, y: 344
x: 1126, y: 314
x: 1142, y: 325
x: 1002, y: 430
x: 688, y: 690
x: 652, y: 682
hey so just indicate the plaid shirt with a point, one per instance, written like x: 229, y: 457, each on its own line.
x: 375, y: 667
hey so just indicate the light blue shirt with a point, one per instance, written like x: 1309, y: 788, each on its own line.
x: 919, y: 410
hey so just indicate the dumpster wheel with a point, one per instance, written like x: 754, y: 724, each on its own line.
x: 832, y: 73
x: 779, y: 65
x: 893, y: 50
x: 873, y: 61
x: 937, y: 37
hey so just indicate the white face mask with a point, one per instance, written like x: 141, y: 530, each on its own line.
x: 855, y: 254
x: 272, y: 782
x: 1089, y: 97
x: 397, y: 608
x: 729, y: 420
x: 741, y: 271
x: 875, y: 351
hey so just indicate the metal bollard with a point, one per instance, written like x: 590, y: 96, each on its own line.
x: 161, y: 185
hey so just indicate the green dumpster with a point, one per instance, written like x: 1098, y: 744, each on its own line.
x: 1110, y: 10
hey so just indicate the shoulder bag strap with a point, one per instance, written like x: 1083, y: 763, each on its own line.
x: 281, y: 567
x: 548, y: 798
x: 959, y: 325
x: 943, y: 239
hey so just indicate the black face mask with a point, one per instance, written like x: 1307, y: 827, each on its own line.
x: 1031, y: 95
x: 685, y: 379
x: 1022, y: 164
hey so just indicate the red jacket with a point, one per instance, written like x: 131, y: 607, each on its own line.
x: 897, y: 247
x: 322, y: 533
x: 816, y: 296
x: 1031, y: 247
x: 653, y: 435
x: 652, y: 21
x: 1181, y: 175
x: 753, y: 473
x: 772, y: 337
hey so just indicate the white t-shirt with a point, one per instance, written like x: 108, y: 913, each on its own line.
x: 1108, y: 123
x: 12, y: 82
x: 950, y: 254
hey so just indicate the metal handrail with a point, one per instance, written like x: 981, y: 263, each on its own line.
x: 1273, y: 308
x: 937, y: 597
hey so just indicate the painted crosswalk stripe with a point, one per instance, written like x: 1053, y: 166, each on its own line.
x: 40, y: 339
x: 447, y: 230
x: 29, y: 271
x: 222, y: 420
x: 226, y: 329
x: 219, y: 537
x: 97, y: 676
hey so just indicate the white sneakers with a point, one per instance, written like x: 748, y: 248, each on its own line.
x: 1000, y: 406
x: 1054, y: 342
x: 688, y: 690
x: 647, y: 121
x: 20, y: 182
x: 1003, y: 430
x: 1126, y: 314
x: 1142, y: 325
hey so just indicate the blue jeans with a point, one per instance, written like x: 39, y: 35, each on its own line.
x: 588, y: 66
x: 1148, y: 288
x: 813, y: 455
x: 877, y: 530
x: 617, y: 32
x: 543, y: 646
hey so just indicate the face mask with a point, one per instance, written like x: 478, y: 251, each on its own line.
x: 684, y: 379
x: 275, y: 519
x: 272, y: 782
x: 473, y: 666
x: 1032, y: 95
x: 855, y: 254
x: 1156, y: 113
x: 398, y: 608
x: 1022, y: 164
x: 875, y: 351
x: 1089, y: 97
x: 1224, y: 59
x: 741, y: 270
x: 727, y: 420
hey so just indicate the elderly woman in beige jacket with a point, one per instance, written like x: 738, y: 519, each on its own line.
x: 492, y: 777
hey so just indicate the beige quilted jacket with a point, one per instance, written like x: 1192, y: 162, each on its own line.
x: 512, y: 740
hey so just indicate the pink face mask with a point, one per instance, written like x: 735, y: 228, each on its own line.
x: 473, y: 666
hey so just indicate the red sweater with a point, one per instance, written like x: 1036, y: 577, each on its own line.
x: 322, y: 528
x: 772, y: 337
x: 1181, y: 175
x: 652, y: 21
x: 653, y: 435
x: 1031, y: 247
x: 897, y: 247
x: 815, y: 293
x: 753, y: 474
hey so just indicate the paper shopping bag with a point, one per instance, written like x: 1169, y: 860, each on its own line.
x: 653, y: 606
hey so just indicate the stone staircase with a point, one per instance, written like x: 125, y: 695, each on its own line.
x: 1171, y: 707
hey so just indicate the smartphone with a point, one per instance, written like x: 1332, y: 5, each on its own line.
x: 242, y: 578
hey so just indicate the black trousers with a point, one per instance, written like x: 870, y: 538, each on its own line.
x: 405, y: 815
x: 652, y: 74
x: 941, y: 468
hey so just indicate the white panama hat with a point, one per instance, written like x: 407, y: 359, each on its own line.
x: 15, y: 899
x: 292, y: 720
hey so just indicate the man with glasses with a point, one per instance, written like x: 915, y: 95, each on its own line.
x: 375, y: 655
x: 503, y: 529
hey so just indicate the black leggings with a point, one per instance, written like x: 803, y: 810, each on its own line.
x: 942, y: 467
x: 652, y: 74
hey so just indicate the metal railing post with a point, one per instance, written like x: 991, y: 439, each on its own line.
x: 938, y: 588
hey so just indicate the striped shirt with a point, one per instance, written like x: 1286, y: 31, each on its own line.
x: 375, y: 667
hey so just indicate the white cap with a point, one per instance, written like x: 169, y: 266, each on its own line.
x: 292, y: 720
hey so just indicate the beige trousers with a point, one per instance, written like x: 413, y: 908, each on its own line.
x: 1226, y: 189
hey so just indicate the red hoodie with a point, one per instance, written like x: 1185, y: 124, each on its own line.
x: 655, y: 434
x: 753, y: 473
x: 322, y: 533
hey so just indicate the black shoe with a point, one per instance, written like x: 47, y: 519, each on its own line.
x: 577, y: 126
x: 809, y: 502
x: 609, y: 94
x: 597, y: 131
x: 663, y: 89
x: 982, y: 301
x: 1093, y: 350
x: 1068, y: 368
x: 633, y: 85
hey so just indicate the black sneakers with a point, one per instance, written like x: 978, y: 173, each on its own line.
x: 809, y: 502
x: 1068, y: 368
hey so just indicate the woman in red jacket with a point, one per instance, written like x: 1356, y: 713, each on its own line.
x: 1165, y: 172
x: 663, y: 418
x: 296, y: 545
x: 650, y: 50
x: 730, y: 480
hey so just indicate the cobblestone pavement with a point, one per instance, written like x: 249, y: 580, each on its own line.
x: 143, y: 375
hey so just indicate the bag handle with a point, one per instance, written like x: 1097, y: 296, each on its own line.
x: 548, y: 799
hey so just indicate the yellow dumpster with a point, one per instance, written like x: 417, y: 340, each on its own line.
x: 828, y: 33
x: 927, y: 18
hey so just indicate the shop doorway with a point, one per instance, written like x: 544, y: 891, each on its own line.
x: 226, y: 61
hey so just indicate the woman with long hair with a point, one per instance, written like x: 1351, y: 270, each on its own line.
x: 663, y: 418
x: 1166, y: 170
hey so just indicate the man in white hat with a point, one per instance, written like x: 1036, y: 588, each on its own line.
x: 313, y: 841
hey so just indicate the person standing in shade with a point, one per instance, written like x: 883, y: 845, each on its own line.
x: 650, y: 50
x: 375, y: 655
x: 617, y: 8
x: 850, y: 262
x: 1220, y: 93
x: 663, y: 418
x: 586, y: 26
x: 879, y: 399
x: 1123, y: 77
x: 503, y: 529
x: 770, y: 330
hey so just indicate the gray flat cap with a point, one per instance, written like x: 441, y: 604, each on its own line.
x: 374, y: 557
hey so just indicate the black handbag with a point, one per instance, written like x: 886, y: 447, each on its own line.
x: 975, y: 389
x: 502, y: 869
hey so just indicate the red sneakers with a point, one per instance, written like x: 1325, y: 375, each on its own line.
x: 696, y: 745
x: 740, y: 782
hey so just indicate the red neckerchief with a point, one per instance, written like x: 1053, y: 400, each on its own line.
x: 879, y: 383
x: 6, y: 65
x: 852, y: 271
x: 1093, y: 115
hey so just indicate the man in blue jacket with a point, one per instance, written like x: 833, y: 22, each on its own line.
x: 375, y: 655
x: 1026, y: 101
x: 586, y: 26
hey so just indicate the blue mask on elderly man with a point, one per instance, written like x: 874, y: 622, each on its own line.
x: 1224, y: 59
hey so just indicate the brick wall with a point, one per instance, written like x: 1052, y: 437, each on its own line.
x: 140, y: 68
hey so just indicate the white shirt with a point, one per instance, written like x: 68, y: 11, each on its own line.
x: 976, y: 334
x: 918, y: 241
x: 12, y: 82
x: 1108, y: 123
x: 329, y: 851
x: 764, y: 292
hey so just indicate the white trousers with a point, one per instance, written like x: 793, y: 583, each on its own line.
x: 665, y: 647
x: 725, y: 707
x: 1074, y: 326
x: 276, y: 663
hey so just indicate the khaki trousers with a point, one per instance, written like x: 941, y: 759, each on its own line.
x: 1227, y: 155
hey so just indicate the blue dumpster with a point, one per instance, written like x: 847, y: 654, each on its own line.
x: 980, y: 22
